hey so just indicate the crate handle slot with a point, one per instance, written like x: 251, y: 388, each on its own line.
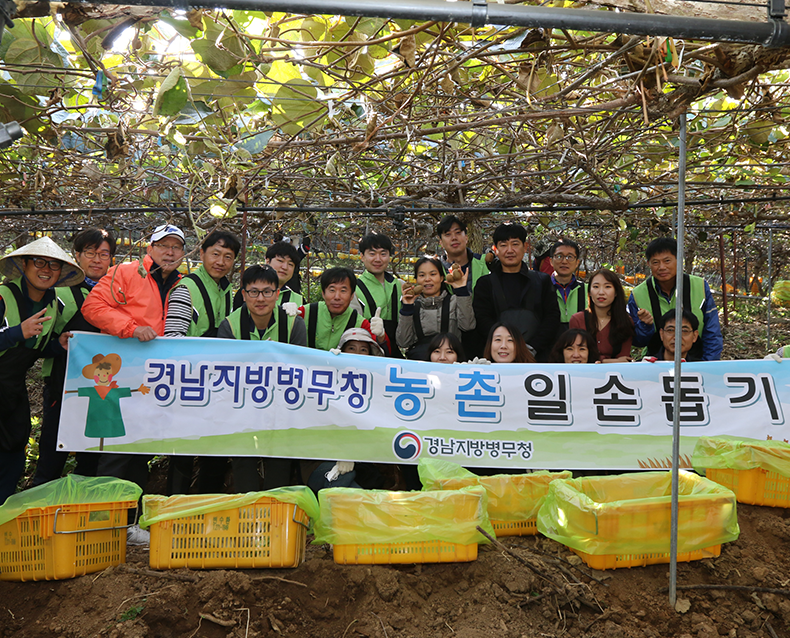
x: 306, y: 526
x: 93, y: 529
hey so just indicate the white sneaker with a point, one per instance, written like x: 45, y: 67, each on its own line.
x: 137, y: 536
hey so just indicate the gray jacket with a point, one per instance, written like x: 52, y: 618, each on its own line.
x: 462, y: 317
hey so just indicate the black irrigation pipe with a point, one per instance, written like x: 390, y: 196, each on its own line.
x: 384, y: 212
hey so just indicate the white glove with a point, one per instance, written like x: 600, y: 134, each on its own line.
x: 480, y: 361
x: 340, y: 468
x: 335, y: 351
x: 377, y: 324
x: 773, y: 357
x: 290, y: 308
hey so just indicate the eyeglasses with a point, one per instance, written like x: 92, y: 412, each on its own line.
x: 104, y: 255
x: 175, y: 248
x: 671, y: 330
x: 565, y: 257
x: 267, y: 294
x: 40, y: 262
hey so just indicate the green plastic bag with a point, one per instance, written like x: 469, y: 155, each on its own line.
x: 70, y: 489
x: 511, y: 497
x: 729, y: 454
x: 361, y: 517
x: 166, y: 508
x: 630, y: 514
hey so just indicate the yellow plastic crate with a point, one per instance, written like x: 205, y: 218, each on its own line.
x: 392, y: 553
x: 394, y: 513
x: 613, y: 561
x: 755, y: 487
x: 63, y: 541
x: 631, y: 515
x: 267, y: 533
x: 510, y: 493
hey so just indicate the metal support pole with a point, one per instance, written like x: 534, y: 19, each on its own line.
x: 723, y: 280
x: 243, y: 242
x: 772, y: 33
x: 770, y: 281
x: 673, y: 538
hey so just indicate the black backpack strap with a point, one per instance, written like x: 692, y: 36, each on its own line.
x: 581, y: 302
x: 79, y: 296
x: 655, y: 304
x: 18, y: 297
x: 394, y: 301
x: 368, y: 297
x: 417, y: 321
x: 228, y: 300
x: 352, y: 321
x: 285, y: 295
x: 445, y: 318
x: 312, y: 324
x: 282, y: 326
x: 686, y: 292
x: 206, y: 302
x: 244, y: 323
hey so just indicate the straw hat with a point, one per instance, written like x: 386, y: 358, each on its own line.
x: 113, y: 359
x: 360, y: 334
x: 13, y: 266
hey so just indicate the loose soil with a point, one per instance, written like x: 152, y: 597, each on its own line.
x: 496, y: 595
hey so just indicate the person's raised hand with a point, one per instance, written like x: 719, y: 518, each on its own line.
x: 34, y: 325
x: 377, y: 324
x: 644, y: 316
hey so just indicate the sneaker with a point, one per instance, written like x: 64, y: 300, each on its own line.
x: 137, y: 536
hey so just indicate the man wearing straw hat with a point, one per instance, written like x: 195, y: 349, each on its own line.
x: 28, y: 308
x: 130, y: 301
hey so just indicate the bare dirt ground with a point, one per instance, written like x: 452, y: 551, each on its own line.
x: 497, y: 595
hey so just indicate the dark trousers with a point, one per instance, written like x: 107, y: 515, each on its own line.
x: 12, y: 466
x: 50, y: 461
x: 247, y: 478
x: 210, y: 479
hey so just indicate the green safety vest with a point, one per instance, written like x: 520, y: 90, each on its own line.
x: 478, y: 268
x: 289, y: 296
x: 647, y: 296
x: 323, y: 330
x: 575, y: 303
x: 71, y: 299
x: 14, y: 299
x: 210, y: 303
x: 386, y: 296
x: 243, y: 326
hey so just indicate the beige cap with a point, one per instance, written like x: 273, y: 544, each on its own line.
x: 360, y: 334
x: 13, y: 265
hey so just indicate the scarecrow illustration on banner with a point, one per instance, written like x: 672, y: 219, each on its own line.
x: 104, y: 419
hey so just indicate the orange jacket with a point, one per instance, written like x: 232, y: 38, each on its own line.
x: 123, y: 301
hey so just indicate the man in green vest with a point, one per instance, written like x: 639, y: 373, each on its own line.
x: 379, y: 291
x: 284, y: 258
x: 327, y: 320
x: 451, y: 232
x: 201, y: 300
x: 29, y: 310
x: 261, y: 318
x: 93, y: 250
x: 655, y: 296
x: 571, y: 292
x: 453, y: 239
x: 196, y: 307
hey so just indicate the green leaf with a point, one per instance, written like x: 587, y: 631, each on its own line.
x: 294, y: 104
x: 173, y: 94
x: 218, y: 60
x: 256, y: 143
x: 182, y: 27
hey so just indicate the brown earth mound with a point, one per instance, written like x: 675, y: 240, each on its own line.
x: 497, y: 595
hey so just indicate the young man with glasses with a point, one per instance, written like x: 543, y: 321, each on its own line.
x: 689, y: 336
x: 571, y: 292
x: 260, y: 318
x: 130, y: 301
x: 94, y: 249
x: 29, y: 310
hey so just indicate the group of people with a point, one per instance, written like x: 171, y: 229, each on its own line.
x: 460, y: 306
